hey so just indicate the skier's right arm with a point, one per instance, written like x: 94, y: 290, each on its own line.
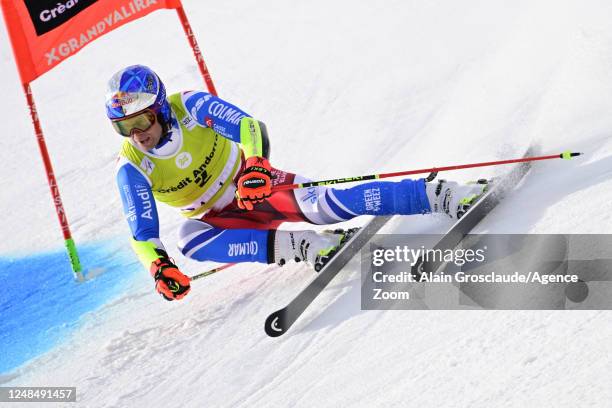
x: 141, y: 213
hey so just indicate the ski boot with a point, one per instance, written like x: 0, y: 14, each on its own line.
x: 317, y: 249
x: 453, y: 198
x: 346, y: 235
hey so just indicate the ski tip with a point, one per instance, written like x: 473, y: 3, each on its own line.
x: 275, y: 325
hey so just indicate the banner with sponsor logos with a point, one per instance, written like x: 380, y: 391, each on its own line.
x: 46, y: 32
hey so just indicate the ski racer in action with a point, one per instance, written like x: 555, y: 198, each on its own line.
x: 210, y: 160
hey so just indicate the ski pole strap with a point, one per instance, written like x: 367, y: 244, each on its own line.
x: 565, y: 155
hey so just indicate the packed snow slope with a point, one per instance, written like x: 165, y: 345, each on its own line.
x: 346, y: 88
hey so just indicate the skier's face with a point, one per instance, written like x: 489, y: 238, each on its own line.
x: 146, y: 140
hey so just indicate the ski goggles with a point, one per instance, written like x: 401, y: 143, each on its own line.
x: 141, y: 121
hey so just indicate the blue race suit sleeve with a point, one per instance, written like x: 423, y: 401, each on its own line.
x: 138, y: 203
x: 213, y: 112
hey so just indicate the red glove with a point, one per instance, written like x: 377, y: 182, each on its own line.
x: 169, y: 281
x: 254, y: 184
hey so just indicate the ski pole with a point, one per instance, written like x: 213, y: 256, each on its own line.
x: 565, y: 155
x: 210, y: 272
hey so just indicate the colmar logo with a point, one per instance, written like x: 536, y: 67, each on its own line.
x: 223, y: 112
x: 246, y: 248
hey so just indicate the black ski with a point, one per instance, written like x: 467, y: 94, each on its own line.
x: 461, y: 228
x: 281, y: 320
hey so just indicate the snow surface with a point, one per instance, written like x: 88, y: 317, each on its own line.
x: 346, y: 88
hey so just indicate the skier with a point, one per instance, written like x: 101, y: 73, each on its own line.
x: 209, y: 159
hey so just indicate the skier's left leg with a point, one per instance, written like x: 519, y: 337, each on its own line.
x: 326, y: 205
x: 403, y: 197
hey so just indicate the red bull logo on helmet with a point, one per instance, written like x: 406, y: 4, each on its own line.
x: 120, y: 99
